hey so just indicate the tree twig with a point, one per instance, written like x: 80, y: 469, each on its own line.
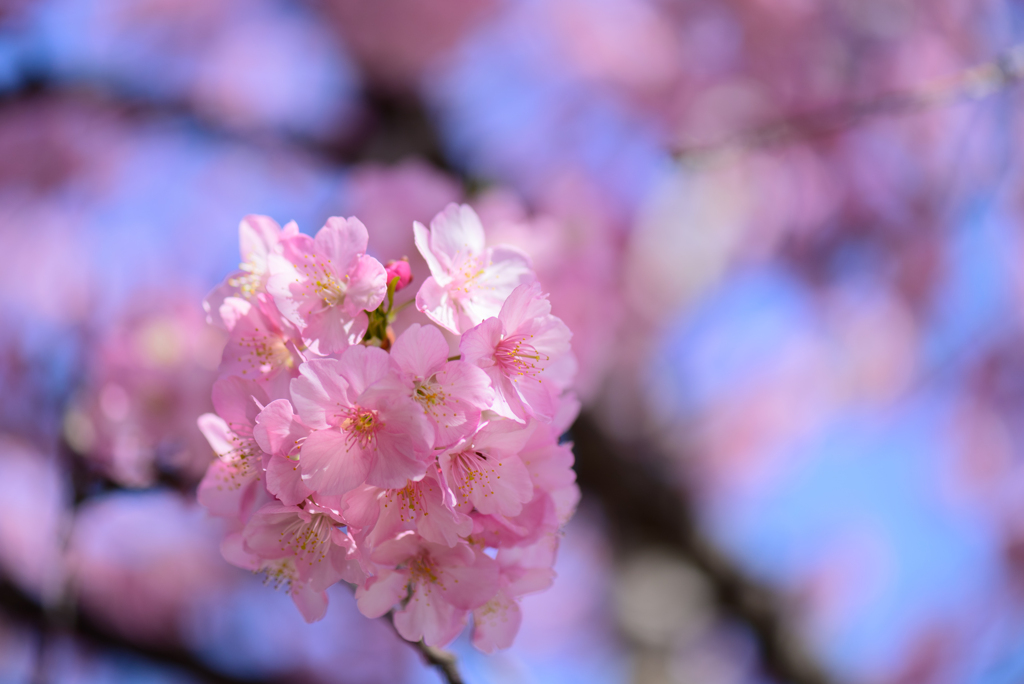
x: 445, y: 661
x: 644, y: 503
x: 974, y: 83
x: 20, y: 607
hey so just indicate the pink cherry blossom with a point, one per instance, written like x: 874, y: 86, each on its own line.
x: 442, y: 584
x: 437, y: 485
x: 468, y: 282
x: 261, y: 344
x: 485, y: 472
x: 523, y: 570
x: 452, y: 393
x: 324, y: 285
x: 259, y: 237
x: 280, y: 434
x: 425, y: 505
x: 549, y: 463
x: 538, y: 517
x: 228, y: 481
x: 525, y: 352
x: 300, y: 548
x: 359, y: 433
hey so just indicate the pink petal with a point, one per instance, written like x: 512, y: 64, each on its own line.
x: 403, y: 445
x: 427, y: 616
x: 361, y: 507
x: 536, y: 395
x: 496, y: 623
x: 232, y: 548
x: 238, y: 401
x: 232, y: 310
x: 317, y: 391
x: 550, y: 466
x: 467, y: 587
x: 367, y: 286
x: 525, y: 303
x: 478, y: 344
x: 420, y: 351
x: 286, y: 287
x: 311, y: 603
x: 217, y: 433
x: 277, y: 430
x: 329, y: 466
x: 435, y: 302
x: 422, y: 238
x: 456, y: 232
x: 333, y: 332
x: 341, y: 241
x: 221, y: 492
x: 381, y: 593
x: 361, y: 367
x: 257, y: 236
x: 397, y: 550
x: 214, y: 301
x: 284, y: 480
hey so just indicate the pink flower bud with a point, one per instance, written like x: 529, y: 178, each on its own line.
x: 399, y: 269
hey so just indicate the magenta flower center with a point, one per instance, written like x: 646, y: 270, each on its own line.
x: 270, y: 351
x: 422, y: 568
x: 361, y: 426
x: 309, y: 541
x: 468, y: 273
x: 327, y: 286
x: 279, y: 572
x: 469, y: 471
x: 517, y: 357
x: 243, y: 455
x: 249, y: 284
x: 409, y: 500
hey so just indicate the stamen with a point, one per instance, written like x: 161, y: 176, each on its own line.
x: 360, y: 427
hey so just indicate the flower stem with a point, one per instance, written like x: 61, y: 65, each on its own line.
x: 445, y: 661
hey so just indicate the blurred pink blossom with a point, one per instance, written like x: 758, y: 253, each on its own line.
x: 142, y: 561
x: 149, y: 378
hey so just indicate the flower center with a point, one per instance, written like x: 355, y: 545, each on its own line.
x: 249, y: 284
x: 465, y: 277
x: 517, y: 357
x: 409, y: 500
x: 423, y: 568
x: 268, y: 351
x: 469, y: 470
x: 361, y: 426
x: 308, y: 541
x: 279, y: 572
x: 331, y: 290
x: 327, y: 286
x: 243, y: 456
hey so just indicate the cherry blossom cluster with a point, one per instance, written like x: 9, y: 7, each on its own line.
x: 423, y: 468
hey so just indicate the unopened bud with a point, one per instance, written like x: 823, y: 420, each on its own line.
x: 399, y: 269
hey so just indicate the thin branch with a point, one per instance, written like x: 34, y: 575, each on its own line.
x: 445, y: 661
x: 645, y: 504
x: 19, y: 606
x: 974, y: 83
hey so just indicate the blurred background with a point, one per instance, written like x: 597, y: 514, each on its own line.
x: 796, y: 297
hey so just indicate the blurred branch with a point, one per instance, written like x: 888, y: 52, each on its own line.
x: 386, y: 128
x: 971, y: 84
x: 644, y: 504
x: 16, y: 605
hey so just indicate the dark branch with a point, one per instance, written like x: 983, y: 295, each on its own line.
x: 971, y: 84
x: 18, y: 606
x: 445, y: 662
x: 645, y: 503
